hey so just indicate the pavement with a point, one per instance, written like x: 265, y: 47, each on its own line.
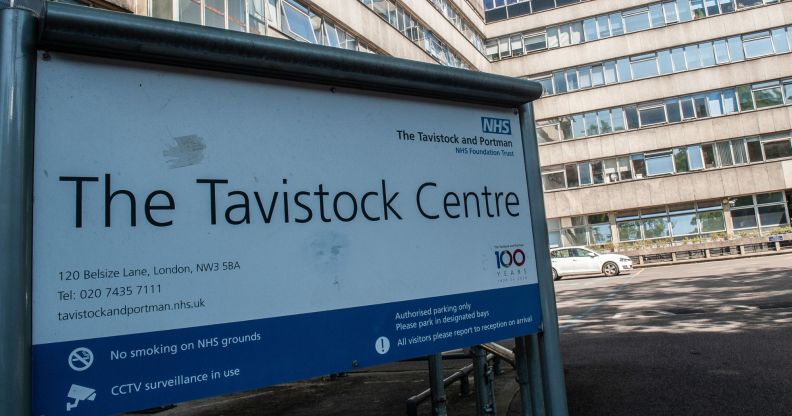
x: 694, y: 339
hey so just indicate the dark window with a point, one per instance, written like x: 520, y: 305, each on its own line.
x: 572, y: 176
x: 777, y: 149
x: 540, y: 5
x: 632, y: 117
x: 709, y: 156
x: 672, y: 109
x: 754, y: 150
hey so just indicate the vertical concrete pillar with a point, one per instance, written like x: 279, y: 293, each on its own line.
x: 727, y: 218
x: 614, y: 230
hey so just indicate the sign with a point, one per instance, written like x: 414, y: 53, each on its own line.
x: 774, y: 238
x: 198, y: 234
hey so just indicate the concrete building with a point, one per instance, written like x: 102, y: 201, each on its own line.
x: 661, y: 122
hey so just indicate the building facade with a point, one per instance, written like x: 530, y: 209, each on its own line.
x: 661, y: 121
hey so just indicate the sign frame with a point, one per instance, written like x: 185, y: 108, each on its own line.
x: 30, y: 26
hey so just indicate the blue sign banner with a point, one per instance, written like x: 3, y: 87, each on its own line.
x: 145, y: 370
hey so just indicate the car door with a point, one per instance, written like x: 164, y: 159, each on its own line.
x: 562, y: 261
x: 585, y: 260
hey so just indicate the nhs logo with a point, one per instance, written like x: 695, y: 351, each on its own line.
x: 495, y: 125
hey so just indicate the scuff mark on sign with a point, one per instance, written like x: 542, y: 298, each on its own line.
x: 189, y: 150
x: 328, y: 251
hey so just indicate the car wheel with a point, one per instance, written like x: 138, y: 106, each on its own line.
x: 555, y: 275
x: 610, y: 269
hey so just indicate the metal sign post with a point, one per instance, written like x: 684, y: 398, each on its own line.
x: 17, y: 83
x: 272, y: 196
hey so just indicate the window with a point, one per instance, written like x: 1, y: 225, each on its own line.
x: 772, y: 216
x: 754, y: 146
x: 162, y: 9
x: 652, y: 115
x: 706, y: 54
x: 559, y: 82
x: 727, y: 6
x: 736, y: 49
x: 617, y: 115
x: 777, y: 149
x: 624, y: 168
x: 628, y: 230
x: 578, y: 126
x: 592, y: 124
x: 584, y: 77
x: 738, y: 150
x: 763, y: 210
x: 656, y: 15
x: 597, y: 75
x: 691, y: 57
x: 757, y: 44
x: 571, y: 176
x: 711, y: 217
x: 603, y: 26
x: 590, y: 29
x: 681, y: 162
x: 617, y: 27
x: 660, y: 163
x: 672, y: 110
x: 685, y: 224
x: 644, y: 66
x: 517, y: 46
x: 584, y: 173
x: 554, y: 234
x: 780, y: 42
x: 664, y: 62
x: 743, y: 218
x: 609, y: 69
x: 596, y: 172
x: 670, y: 12
x: 535, y: 41
x: 708, y: 152
x: 572, y: 79
x: 547, y: 131
x: 767, y: 94
x: 297, y: 23
x: 655, y: 227
x: 605, y: 125
x: 714, y: 104
x: 610, y: 171
x: 695, y: 158
x: 554, y: 180
x: 636, y: 19
x: 745, y: 98
x: 724, y: 154
x: 623, y: 68
x: 547, y: 85
x: 687, y: 106
x: 638, y: 165
x: 721, y: 51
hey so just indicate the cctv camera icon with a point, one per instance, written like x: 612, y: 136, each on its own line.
x: 78, y: 394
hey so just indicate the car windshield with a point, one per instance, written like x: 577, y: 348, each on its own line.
x: 592, y: 251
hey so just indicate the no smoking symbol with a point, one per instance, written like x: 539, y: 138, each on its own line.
x: 81, y: 359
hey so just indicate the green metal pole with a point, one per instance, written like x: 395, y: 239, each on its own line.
x: 17, y: 100
x: 535, y: 365
x: 550, y: 347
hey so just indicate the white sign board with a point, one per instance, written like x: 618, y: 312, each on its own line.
x: 189, y: 227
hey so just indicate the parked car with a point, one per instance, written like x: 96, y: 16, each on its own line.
x: 581, y: 260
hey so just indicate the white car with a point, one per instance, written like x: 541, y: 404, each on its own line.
x: 581, y: 260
